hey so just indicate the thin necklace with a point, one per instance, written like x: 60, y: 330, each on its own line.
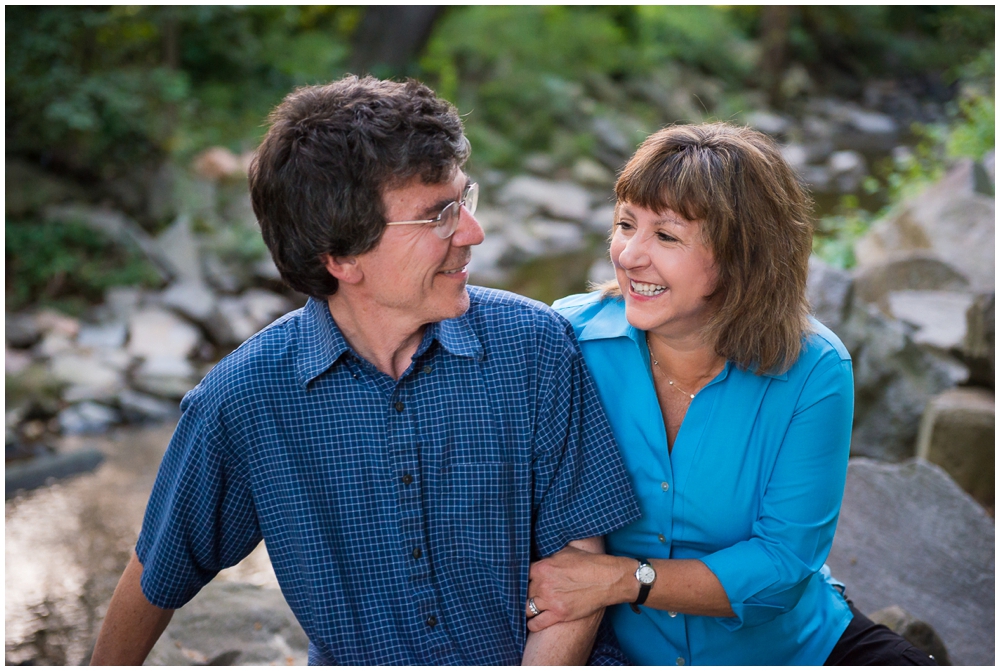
x: 669, y: 381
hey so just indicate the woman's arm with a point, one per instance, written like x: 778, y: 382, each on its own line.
x: 572, y: 584
x: 754, y: 580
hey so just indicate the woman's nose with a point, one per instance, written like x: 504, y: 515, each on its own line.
x: 633, y: 253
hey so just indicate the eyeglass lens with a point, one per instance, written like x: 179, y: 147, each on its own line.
x: 451, y: 214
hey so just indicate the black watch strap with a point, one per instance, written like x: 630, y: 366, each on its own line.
x: 643, y: 588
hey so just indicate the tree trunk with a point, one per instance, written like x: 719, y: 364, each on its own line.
x: 389, y: 38
x: 774, y: 20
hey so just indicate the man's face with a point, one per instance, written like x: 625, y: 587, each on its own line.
x: 412, y: 272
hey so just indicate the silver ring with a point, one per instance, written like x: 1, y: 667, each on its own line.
x: 532, y: 607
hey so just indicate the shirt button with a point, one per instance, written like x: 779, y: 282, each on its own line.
x: 427, y: 370
x: 407, y: 479
x: 665, y: 486
x: 399, y: 406
x: 432, y: 621
x: 662, y: 538
x: 672, y: 613
x: 417, y: 553
x: 680, y: 661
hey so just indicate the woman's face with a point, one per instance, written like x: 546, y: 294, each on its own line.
x: 665, y: 271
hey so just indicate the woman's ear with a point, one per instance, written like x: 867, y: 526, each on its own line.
x: 344, y: 268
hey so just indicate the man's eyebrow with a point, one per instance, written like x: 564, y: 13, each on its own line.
x: 434, y: 209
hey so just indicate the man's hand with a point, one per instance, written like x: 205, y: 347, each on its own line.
x: 564, y: 643
x: 132, y: 625
x: 573, y: 584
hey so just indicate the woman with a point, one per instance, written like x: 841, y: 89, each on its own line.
x: 733, y: 411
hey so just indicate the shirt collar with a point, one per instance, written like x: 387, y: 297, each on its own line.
x: 610, y: 322
x: 321, y: 343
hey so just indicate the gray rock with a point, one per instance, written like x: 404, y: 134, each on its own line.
x: 770, y: 123
x: 796, y: 155
x: 893, y: 379
x: 15, y: 361
x: 485, y: 266
x: 50, y: 321
x: 165, y: 376
x: 592, y: 173
x: 193, y: 299
x: 949, y: 219
x: 601, y: 271
x: 939, y: 316
x: 563, y: 200
x: 102, y: 336
x: 872, y: 123
x: 75, y: 367
x: 917, y: 632
x: 540, y: 164
x: 265, y: 269
x: 557, y: 237
x: 979, y: 348
x: 46, y: 469
x: 86, y: 418
x: 817, y: 178
x: 829, y: 291
x: 909, y: 536
x: 236, y: 319
x: 137, y: 408
x: 989, y: 166
x: 155, y: 332
x: 21, y: 330
x: 53, y: 344
x: 958, y: 434
x: 178, y: 245
x: 904, y: 271
x: 122, y: 302
x: 232, y: 623
x: 601, y: 220
x: 221, y: 275
x: 610, y: 135
x: 847, y: 169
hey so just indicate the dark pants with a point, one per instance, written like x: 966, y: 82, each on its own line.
x: 865, y: 643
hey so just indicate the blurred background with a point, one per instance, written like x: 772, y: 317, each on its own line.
x: 134, y: 262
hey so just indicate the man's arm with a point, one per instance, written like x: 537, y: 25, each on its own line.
x: 565, y: 643
x: 132, y: 624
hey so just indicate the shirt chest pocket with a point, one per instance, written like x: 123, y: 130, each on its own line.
x: 479, y: 510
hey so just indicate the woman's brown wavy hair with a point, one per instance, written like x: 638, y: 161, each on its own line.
x: 755, y: 218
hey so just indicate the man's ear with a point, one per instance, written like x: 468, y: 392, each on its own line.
x: 344, y: 268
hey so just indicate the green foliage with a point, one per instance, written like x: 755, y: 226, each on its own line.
x: 969, y: 134
x: 67, y: 265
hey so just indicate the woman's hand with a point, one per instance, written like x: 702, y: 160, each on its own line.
x: 572, y: 584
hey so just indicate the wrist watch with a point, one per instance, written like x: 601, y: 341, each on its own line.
x: 646, y: 575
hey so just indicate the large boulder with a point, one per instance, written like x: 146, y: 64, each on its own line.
x: 938, y: 316
x: 155, y: 332
x: 230, y: 624
x: 951, y: 219
x: 917, y: 632
x: 958, y: 433
x: 237, y: 318
x: 909, y: 536
x: 979, y: 348
x: 905, y: 271
x: 894, y: 378
x: 829, y: 292
x: 526, y: 195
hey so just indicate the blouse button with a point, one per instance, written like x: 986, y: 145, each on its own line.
x: 665, y: 486
x: 672, y: 613
x: 680, y: 661
x: 662, y: 538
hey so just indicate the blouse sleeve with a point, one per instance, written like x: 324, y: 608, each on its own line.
x: 766, y: 575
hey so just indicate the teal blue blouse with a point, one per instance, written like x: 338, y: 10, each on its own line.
x: 752, y: 488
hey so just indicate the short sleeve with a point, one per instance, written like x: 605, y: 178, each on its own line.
x: 766, y: 575
x: 581, y: 487
x: 200, y: 518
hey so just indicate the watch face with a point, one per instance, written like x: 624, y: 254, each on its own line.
x: 645, y: 574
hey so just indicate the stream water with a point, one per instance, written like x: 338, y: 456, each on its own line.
x: 67, y: 544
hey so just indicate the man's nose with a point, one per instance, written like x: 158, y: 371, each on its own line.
x: 469, y: 232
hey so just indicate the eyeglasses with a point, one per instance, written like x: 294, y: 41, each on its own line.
x: 446, y: 223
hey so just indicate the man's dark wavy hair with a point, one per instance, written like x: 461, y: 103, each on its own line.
x: 317, y: 179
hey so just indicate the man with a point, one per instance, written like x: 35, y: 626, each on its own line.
x: 405, y: 445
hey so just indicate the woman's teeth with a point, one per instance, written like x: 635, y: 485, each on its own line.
x: 647, y: 289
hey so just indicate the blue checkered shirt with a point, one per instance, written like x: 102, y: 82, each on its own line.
x: 400, y: 515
